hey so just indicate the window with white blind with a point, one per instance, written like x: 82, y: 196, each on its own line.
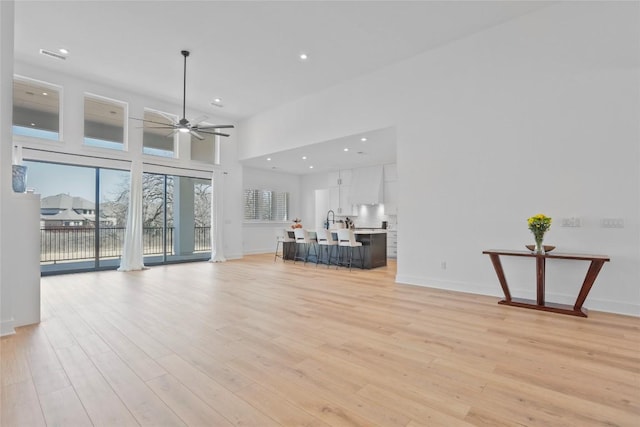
x: 266, y: 205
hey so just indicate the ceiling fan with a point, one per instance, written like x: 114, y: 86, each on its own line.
x: 183, y: 125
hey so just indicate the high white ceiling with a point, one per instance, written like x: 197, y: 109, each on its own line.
x: 245, y: 52
x: 375, y: 147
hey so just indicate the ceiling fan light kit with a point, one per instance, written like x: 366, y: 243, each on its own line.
x: 183, y: 125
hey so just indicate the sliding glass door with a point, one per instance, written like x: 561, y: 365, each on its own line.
x: 177, y: 218
x: 67, y: 215
x: 83, y: 216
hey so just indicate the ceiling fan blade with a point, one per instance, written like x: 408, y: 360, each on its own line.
x: 196, y: 134
x: 217, y: 127
x: 214, y: 133
x: 151, y: 121
x: 172, y: 133
x: 172, y: 119
x: 197, y: 120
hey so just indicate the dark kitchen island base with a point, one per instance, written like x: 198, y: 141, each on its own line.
x: 374, y: 249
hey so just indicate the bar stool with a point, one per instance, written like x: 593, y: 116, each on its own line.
x: 302, y: 238
x: 282, y: 238
x: 346, y: 239
x: 325, y: 238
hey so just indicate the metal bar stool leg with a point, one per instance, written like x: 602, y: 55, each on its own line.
x: 350, y: 257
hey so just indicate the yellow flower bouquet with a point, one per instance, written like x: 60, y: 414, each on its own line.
x: 539, y: 224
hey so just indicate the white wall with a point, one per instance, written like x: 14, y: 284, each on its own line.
x: 260, y: 237
x: 6, y: 105
x: 539, y: 114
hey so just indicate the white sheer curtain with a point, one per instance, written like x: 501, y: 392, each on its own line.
x: 217, y: 243
x: 132, y: 256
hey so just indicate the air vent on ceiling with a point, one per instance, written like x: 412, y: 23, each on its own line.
x: 52, y: 54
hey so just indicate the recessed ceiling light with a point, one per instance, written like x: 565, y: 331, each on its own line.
x: 304, y: 157
x: 346, y: 149
x: 310, y: 167
x: 217, y: 102
x: 33, y: 124
x: 303, y: 56
x: 45, y: 93
x: 268, y: 159
x: 363, y: 139
x: 63, y: 51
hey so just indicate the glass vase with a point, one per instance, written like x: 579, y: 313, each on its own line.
x: 19, y: 178
x: 539, y: 249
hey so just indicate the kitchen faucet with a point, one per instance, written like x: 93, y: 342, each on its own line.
x: 333, y: 219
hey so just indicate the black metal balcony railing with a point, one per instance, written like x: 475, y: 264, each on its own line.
x: 76, y: 243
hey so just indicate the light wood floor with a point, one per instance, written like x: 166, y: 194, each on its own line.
x: 258, y: 343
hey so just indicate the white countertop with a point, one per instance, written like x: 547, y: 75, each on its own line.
x: 335, y: 230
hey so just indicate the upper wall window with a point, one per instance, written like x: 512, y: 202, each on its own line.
x: 104, y: 124
x: 156, y: 138
x: 36, y: 109
x: 205, y: 150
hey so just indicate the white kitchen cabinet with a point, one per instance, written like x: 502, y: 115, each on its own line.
x: 339, y: 193
x: 334, y: 198
x: 345, y: 177
x: 367, y: 185
x: 392, y: 244
x: 339, y: 201
x: 341, y: 177
x: 391, y: 198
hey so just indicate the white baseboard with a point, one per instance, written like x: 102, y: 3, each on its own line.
x: 608, y: 306
x: 233, y: 256
x: 259, y: 251
x: 7, y: 327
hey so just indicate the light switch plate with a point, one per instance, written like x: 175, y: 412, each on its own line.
x: 612, y: 223
x: 570, y: 222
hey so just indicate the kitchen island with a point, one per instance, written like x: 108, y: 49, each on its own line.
x: 374, y: 248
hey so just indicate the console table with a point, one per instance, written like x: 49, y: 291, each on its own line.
x: 597, y: 261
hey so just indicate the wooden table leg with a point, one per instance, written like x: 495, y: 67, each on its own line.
x: 589, y: 279
x: 540, y: 269
x: 497, y: 265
